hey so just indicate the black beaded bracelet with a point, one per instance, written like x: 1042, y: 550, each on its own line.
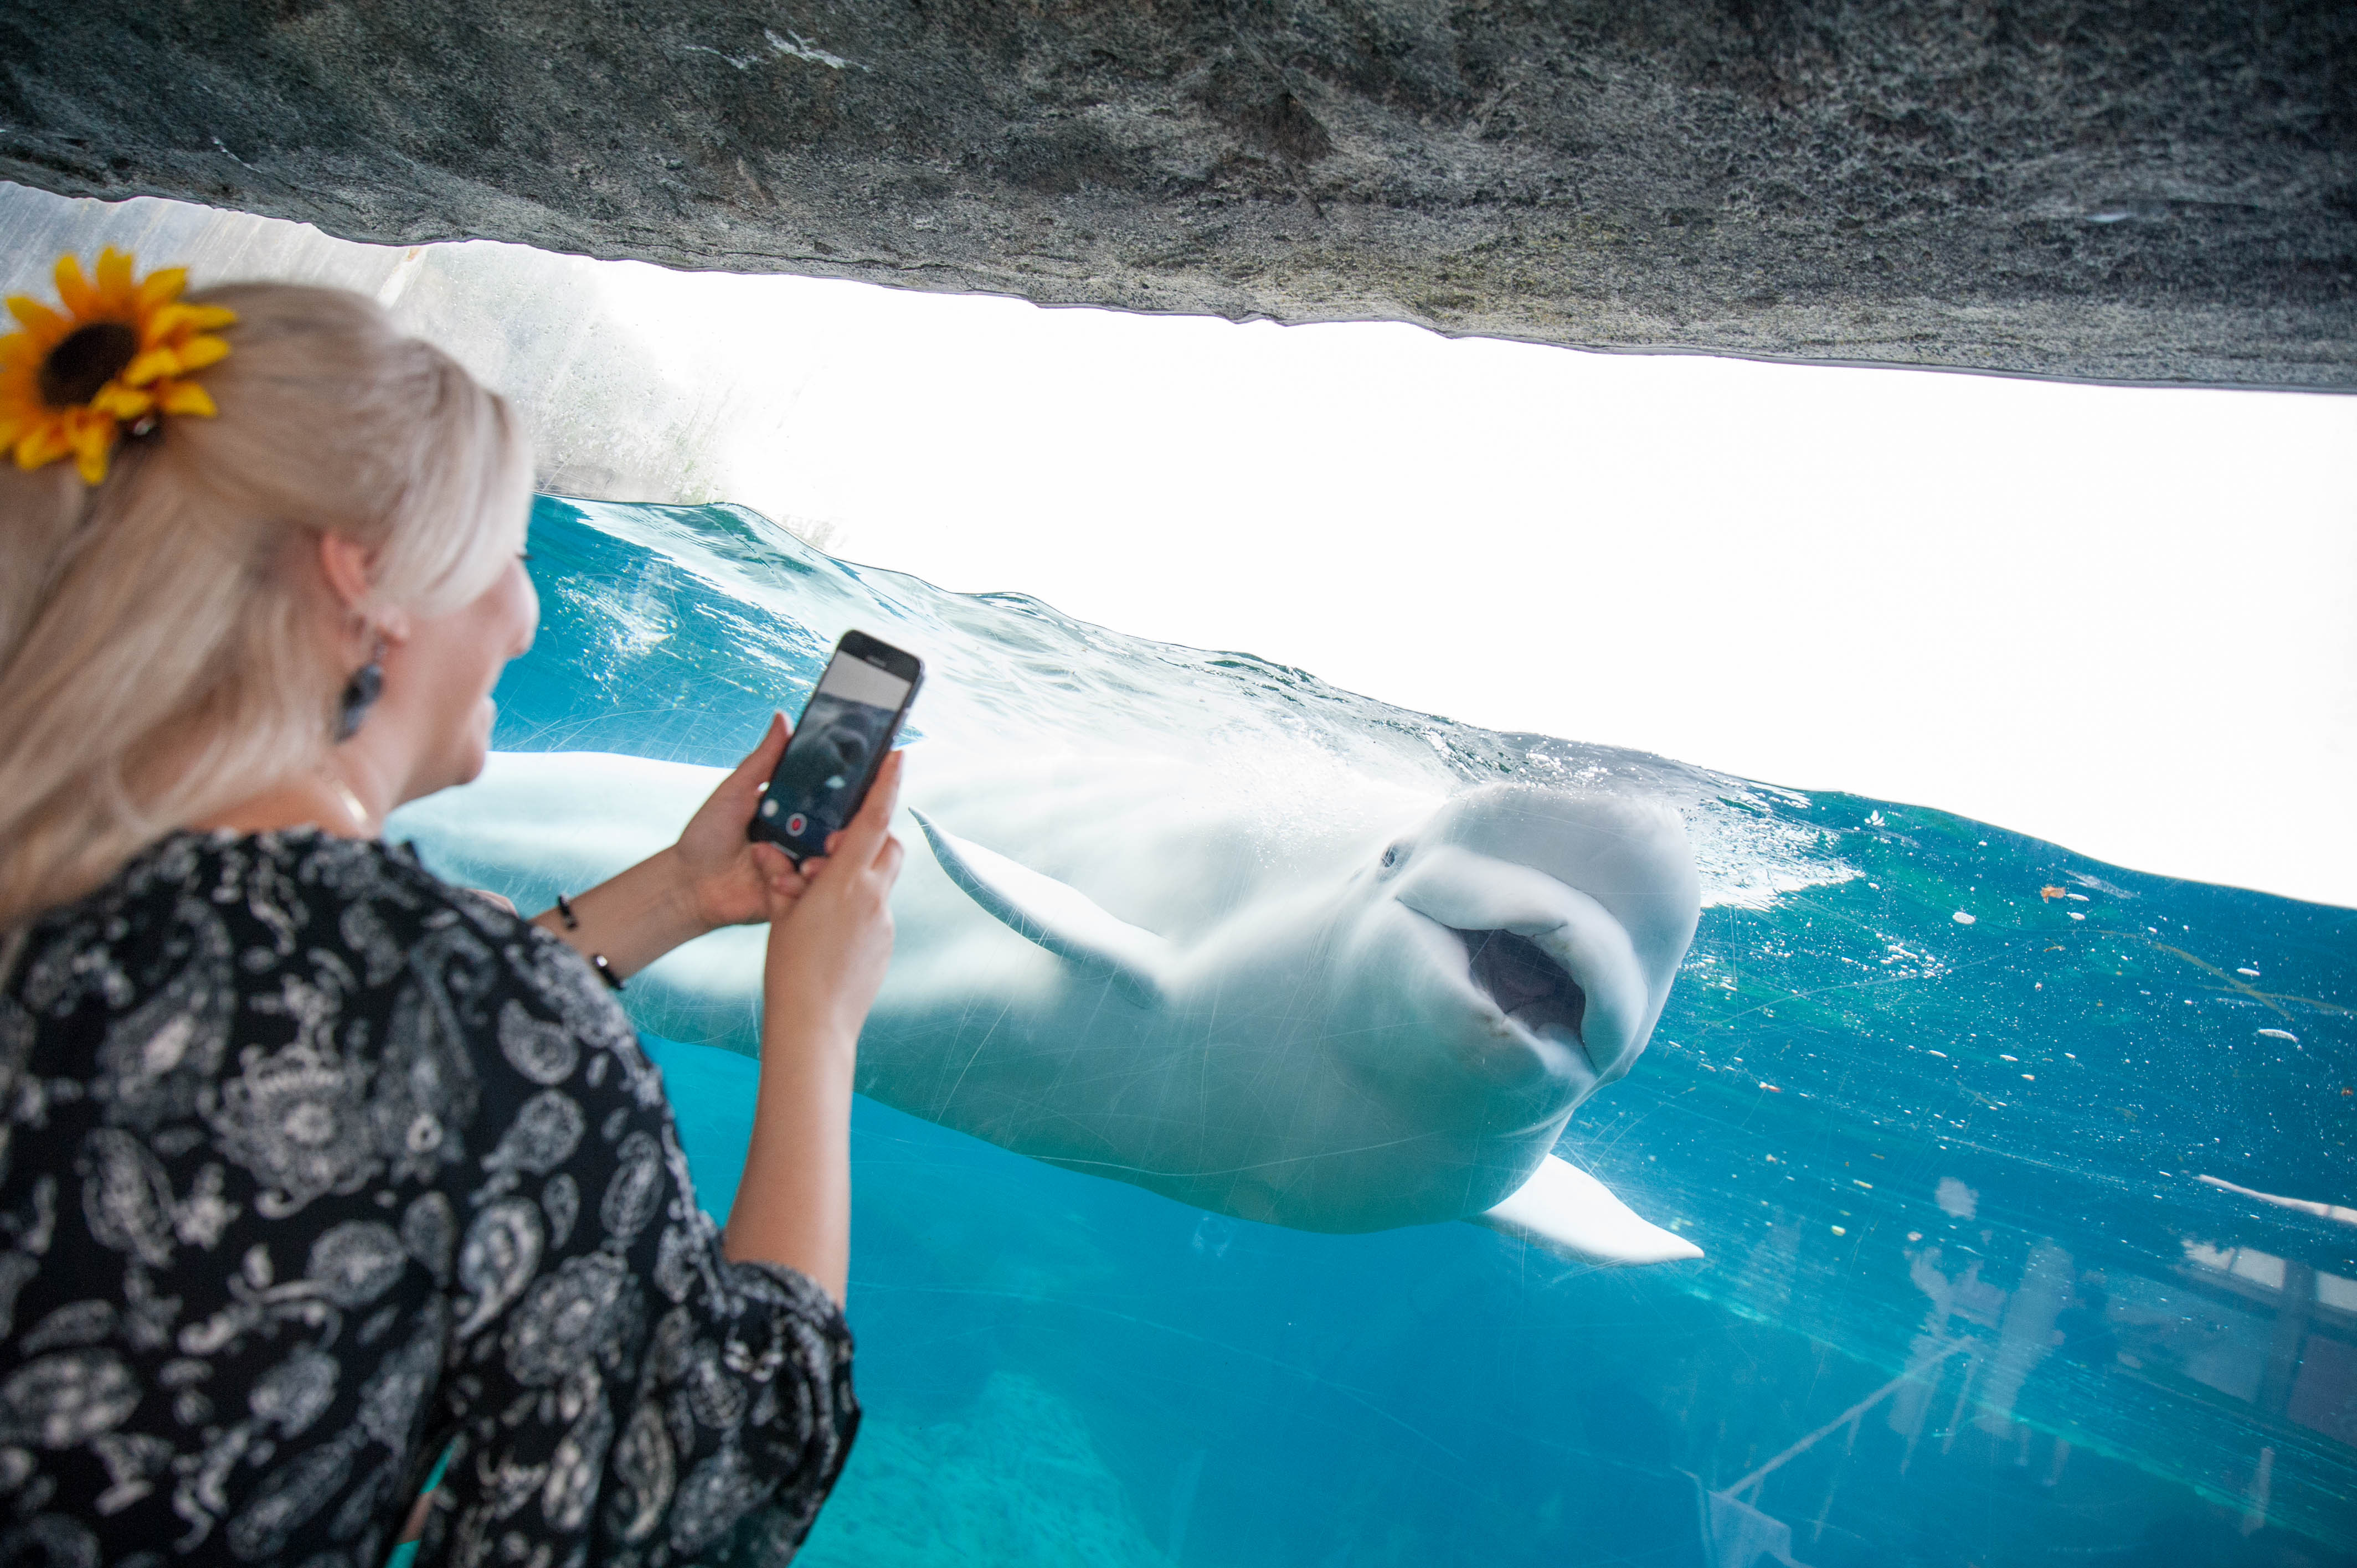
x: 565, y: 913
x: 604, y: 970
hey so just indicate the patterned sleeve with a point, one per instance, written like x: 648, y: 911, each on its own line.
x: 620, y: 1391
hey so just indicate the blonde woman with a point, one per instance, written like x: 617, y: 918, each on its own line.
x: 313, y: 1165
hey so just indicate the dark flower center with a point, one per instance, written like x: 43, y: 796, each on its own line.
x: 90, y: 357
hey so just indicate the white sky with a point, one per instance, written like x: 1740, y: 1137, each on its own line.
x: 2124, y: 620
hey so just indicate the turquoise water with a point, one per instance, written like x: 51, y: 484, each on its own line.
x: 1947, y: 1107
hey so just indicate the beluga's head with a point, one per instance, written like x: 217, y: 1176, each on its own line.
x: 1532, y: 933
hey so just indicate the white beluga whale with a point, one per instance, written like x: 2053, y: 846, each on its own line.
x: 1369, y: 1009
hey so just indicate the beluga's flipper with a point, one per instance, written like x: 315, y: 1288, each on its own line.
x: 1059, y: 916
x: 1567, y: 1213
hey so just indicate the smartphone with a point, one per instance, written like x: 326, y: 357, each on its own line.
x: 845, y: 732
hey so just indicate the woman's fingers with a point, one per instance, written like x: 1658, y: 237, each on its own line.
x: 718, y: 825
x: 772, y: 739
x: 762, y: 761
x: 858, y: 841
x: 872, y: 830
x: 776, y: 870
x: 867, y: 845
x: 745, y: 784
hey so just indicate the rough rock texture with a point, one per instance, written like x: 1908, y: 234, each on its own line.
x: 2143, y: 189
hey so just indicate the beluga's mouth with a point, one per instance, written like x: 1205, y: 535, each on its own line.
x: 1555, y: 965
x: 1525, y: 983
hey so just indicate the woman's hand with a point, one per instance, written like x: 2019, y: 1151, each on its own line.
x: 728, y: 879
x: 713, y: 876
x: 831, y: 942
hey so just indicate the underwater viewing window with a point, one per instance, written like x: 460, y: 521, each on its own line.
x: 1512, y: 956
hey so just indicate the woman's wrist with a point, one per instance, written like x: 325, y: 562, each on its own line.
x: 804, y: 1018
x: 677, y: 897
x: 635, y: 917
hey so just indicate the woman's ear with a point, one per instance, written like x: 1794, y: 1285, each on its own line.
x: 345, y: 564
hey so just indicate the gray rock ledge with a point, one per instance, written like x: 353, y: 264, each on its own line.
x: 2101, y: 190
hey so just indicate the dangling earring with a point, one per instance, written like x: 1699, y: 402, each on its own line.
x: 360, y: 693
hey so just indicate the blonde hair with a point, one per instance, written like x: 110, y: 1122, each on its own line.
x: 167, y: 645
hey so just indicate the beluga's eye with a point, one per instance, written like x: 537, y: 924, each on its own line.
x: 1391, y: 856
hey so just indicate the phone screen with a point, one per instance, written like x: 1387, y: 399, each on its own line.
x: 845, y: 732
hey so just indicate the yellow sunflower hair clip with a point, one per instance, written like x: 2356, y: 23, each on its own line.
x: 70, y: 383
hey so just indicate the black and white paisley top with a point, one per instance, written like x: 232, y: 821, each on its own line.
x: 313, y: 1165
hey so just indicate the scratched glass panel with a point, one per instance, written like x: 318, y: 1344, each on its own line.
x: 2015, y: 1177
x: 2010, y: 1169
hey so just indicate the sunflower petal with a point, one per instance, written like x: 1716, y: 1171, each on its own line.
x: 44, y: 442
x: 162, y: 286
x: 115, y: 291
x: 80, y: 298
x: 186, y: 397
x: 198, y: 352
x: 42, y: 324
x: 12, y: 426
x: 210, y: 318
x: 161, y: 322
x: 150, y: 366
x: 91, y: 442
x: 118, y: 402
